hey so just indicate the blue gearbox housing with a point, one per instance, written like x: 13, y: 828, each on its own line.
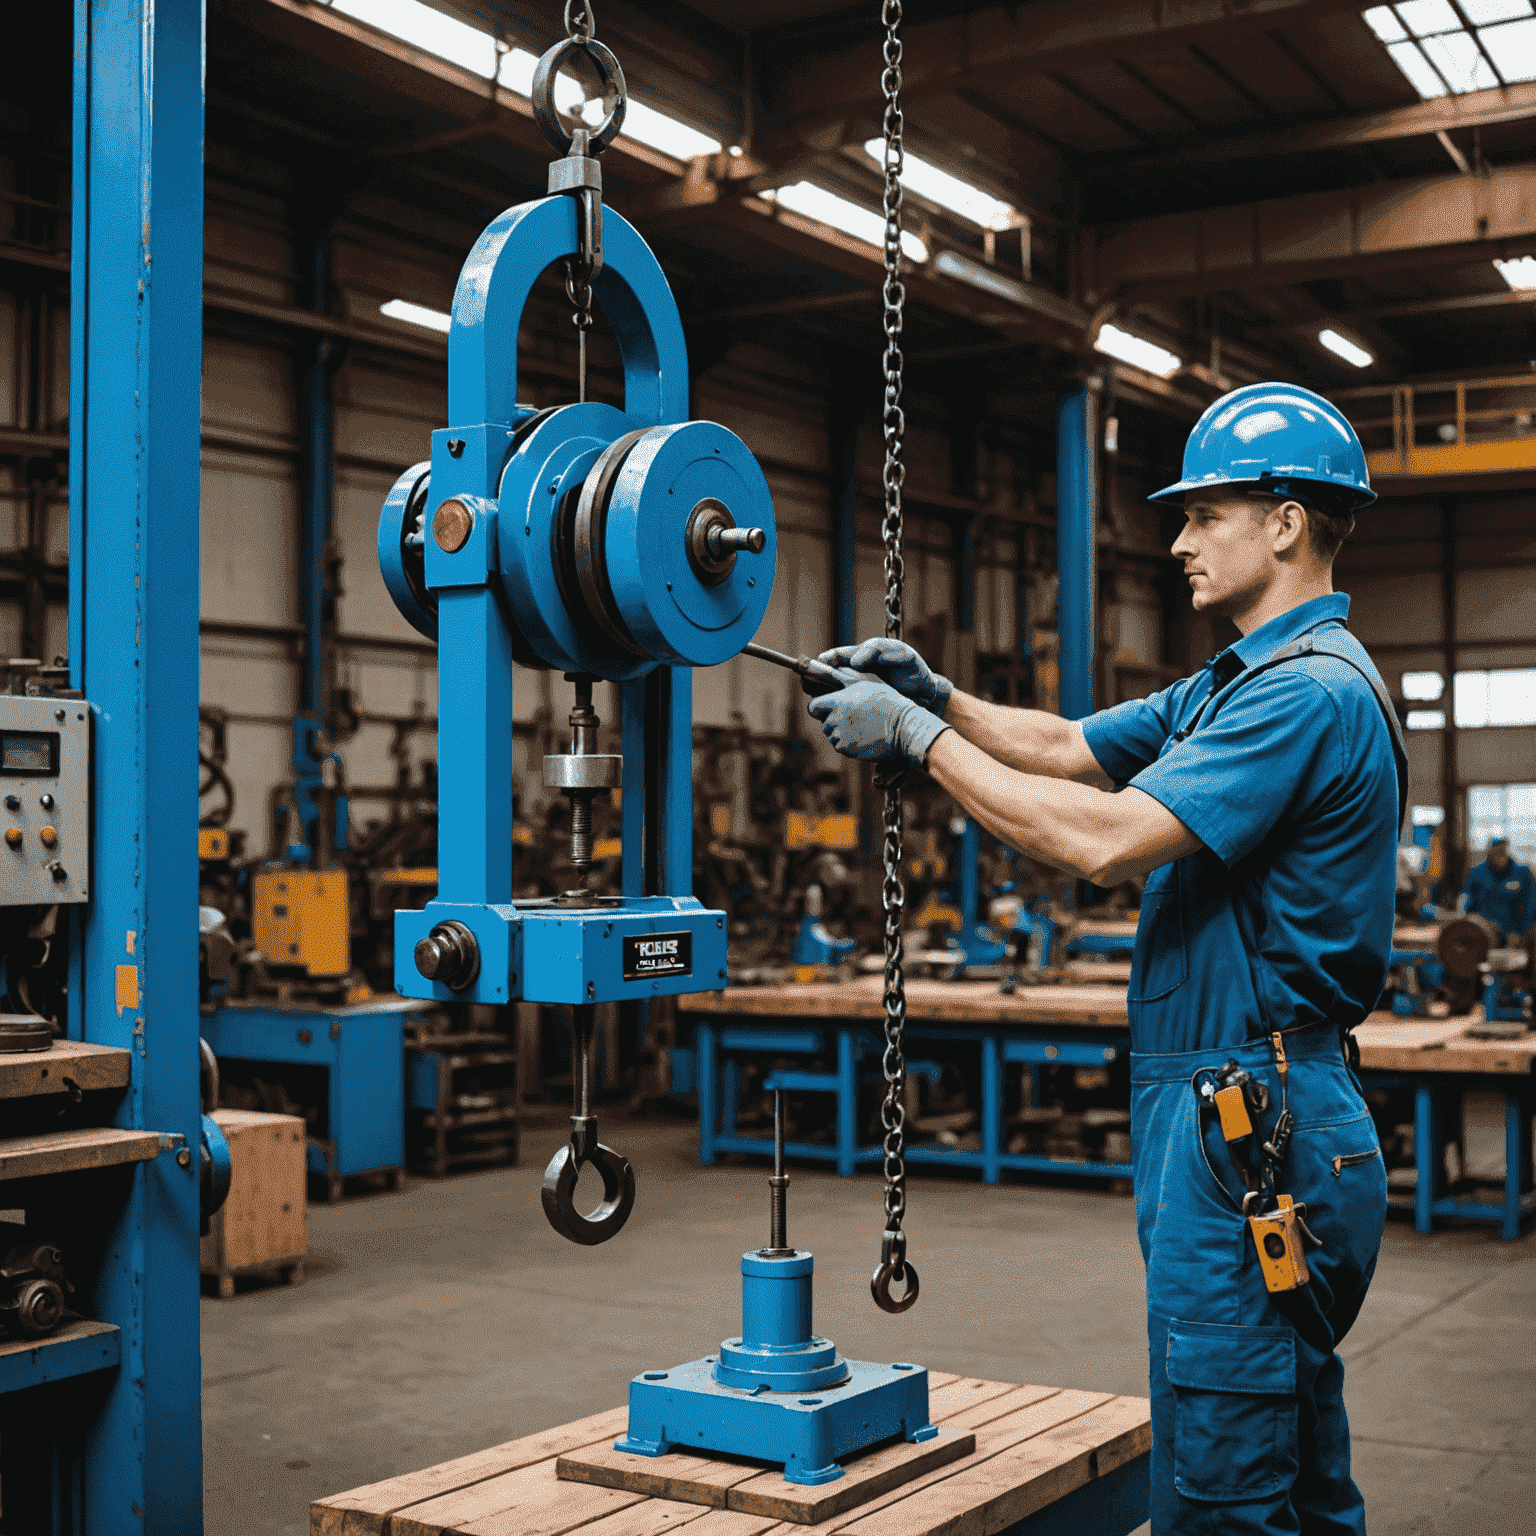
x: 628, y: 545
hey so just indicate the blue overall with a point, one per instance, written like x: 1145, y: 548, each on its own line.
x: 1281, y: 924
x: 1508, y: 901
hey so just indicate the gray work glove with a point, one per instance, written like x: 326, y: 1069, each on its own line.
x: 870, y: 721
x: 895, y: 662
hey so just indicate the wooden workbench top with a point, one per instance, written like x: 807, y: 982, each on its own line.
x: 64, y: 1066
x: 1431, y: 1045
x: 928, y: 1002
x: 1106, y: 927
x: 1034, y: 1447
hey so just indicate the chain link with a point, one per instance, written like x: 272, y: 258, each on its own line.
x: 893, y: 420
x: 580, y: 24
x: 578, y: 289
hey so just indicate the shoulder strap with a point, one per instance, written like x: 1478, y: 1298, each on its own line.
x: 1320, y: 642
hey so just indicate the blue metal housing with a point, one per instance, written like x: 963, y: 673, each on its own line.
x: 778, y: 1392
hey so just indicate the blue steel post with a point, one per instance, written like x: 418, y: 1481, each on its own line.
x: 318, y: 497
x: 136, y: 348
x: 1076, y: 532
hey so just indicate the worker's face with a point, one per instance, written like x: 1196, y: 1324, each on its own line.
x: 1498, y: 858
x: 1230, y: 555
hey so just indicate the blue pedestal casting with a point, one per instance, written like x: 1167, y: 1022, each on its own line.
x: 778, y: 1392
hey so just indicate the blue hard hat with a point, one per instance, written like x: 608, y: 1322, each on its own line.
x: 1279, y: 438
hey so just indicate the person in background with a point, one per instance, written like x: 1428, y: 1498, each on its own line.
x: 1503, y: 891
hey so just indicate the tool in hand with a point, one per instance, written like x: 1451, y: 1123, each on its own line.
x: 817, y: 679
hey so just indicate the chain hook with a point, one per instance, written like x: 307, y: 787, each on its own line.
x: 894, y: 1270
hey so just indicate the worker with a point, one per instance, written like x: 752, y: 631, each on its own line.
x: 1261, y: 797
x: 1503, y: 891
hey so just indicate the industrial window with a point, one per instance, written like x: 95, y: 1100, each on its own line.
x: 1425, y: 686
x: 1426, y: 720
x: 1503, y: 810
x: 1504, y: 697
x: 1433, y: 44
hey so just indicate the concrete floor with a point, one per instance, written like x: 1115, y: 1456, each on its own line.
x: 450, y: 1317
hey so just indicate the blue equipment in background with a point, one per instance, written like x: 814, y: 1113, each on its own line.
x: 622, y: 545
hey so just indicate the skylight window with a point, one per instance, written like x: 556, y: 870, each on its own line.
x: 1519, y: 273
x: 862, y: 223
x: 947, y: 191
x: 1446, y: 49
x: 430, y: 30
x: 1138, y: 351
x: 1342, y: 346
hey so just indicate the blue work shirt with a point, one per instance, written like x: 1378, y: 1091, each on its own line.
x: 1508, y: 901
x: 1284, y: 918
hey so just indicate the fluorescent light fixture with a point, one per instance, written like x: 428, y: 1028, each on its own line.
x: 862, y: 223
x: 988, y: 279
x: 427, y: 29
x: 947, y: 191
x: 1342, y: 346
x: 1423, y: 686
x: 1426, y: 719
x: 417, y: 314
x: 1519, y: 274
x: 1138, y: 351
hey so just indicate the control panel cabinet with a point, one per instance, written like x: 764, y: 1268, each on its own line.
x: 45, y: 811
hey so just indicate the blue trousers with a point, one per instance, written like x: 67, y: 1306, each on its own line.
x: 1249, y: 1433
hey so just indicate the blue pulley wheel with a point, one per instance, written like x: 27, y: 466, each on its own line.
x: 681, y: 522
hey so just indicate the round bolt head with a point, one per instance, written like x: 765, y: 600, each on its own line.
x: 451, y: 525
x: 184, y: 1158
x: 429, y: 958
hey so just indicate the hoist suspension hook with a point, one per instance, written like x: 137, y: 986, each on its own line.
x: 559, y: 1188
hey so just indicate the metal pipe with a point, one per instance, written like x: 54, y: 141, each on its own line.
x: 778, y: 1185
x: 1076, y: 500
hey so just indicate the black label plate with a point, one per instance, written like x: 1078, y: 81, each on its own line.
x: 657, y: 954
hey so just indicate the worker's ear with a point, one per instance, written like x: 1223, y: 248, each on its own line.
x: 1288, y: 528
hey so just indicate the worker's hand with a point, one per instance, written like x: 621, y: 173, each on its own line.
x: 898, y: 664
x: 870, y: 721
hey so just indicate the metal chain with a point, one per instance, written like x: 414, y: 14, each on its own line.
x: 893, y: 892
x: 580, y: 24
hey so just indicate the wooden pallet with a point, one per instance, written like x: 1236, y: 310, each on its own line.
x: 1034, y: 1446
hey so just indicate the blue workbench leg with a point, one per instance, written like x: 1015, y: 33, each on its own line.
x: 730, y: 1095
x: 847, y: 1104
x: 991, y: 1108
x: 1426, y: 1156
x: 1514, y: 1158
x: 709, y: 1066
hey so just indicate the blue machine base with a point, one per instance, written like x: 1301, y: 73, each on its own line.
x: 687, y: 1409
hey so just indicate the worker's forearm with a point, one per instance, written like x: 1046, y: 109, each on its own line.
x: 1083, y: 830
x: 1027, y: 739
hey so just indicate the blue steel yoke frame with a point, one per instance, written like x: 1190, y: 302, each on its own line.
x: 498, y: 596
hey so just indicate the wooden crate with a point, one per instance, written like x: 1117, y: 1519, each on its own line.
x: 264, y: 1224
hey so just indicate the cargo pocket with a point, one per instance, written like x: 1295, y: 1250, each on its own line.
x: 1234, y: 1428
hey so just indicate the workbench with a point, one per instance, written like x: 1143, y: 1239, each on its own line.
x: 360, y: 1048
x: 1440, y: 1062
x: 1047, y: 1462
x: 1074, y: 1025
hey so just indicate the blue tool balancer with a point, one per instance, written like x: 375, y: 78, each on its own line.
x: 587, y: 540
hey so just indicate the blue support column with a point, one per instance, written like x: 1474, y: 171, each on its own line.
x: 317, y: 500
x: 136, y: 348
x: 1427, y: 1157
x: 1076, y: 563
x: 992, y: 1107
x: 704, y: 1042
x: 847, y: 1104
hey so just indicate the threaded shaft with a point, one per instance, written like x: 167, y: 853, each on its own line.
x: 581, y: 829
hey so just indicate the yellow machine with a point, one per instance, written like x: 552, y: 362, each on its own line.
x: 299, y: 917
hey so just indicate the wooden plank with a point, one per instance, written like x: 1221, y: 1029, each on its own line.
x: 76, y: 1348
x: 1050, y: 1412
x: 962, y: 1393
x: 864, y: 1477
x: 702, y: 1478
x: 954, y: 1002
x: 1441, y: 1048
x: 991, y: 1409
x: 528, y: 1502
x: 27, y: 1157
x: 1021, y: 1480
x: 656, y: 1516
x: 65, y: 1065
x: 363, y: 1511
